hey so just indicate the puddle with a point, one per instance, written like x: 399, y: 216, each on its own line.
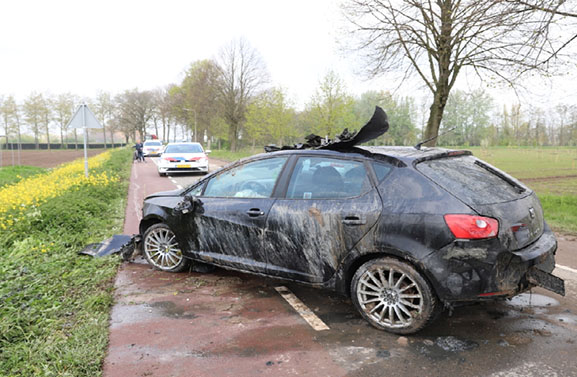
x: 170, y: 309
x: 452, y: 344
x: 444, y: 347
x: 528, y: 299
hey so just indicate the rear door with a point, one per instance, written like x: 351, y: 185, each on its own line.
x: 330, y: 204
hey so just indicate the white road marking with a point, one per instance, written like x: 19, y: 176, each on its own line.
x: 307, y: 314
x: 566, y: 268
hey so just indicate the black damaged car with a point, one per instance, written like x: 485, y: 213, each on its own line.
x: 403, y: 231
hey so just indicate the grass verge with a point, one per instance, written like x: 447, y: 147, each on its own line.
x: 226, y: 155
x: 560, y: 212
x: 54, y: 304
x: 14, y: 174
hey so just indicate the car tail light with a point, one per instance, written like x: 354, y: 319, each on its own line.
x: 472, y: 227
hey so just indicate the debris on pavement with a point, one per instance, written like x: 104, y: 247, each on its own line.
x: 118, y: 244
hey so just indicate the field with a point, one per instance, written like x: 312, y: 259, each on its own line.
x: 44, y: 158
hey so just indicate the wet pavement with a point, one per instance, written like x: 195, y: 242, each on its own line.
x: 230, y: 324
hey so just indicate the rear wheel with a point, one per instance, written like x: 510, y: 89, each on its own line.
x: 393, y: 296
x: 161, y: 249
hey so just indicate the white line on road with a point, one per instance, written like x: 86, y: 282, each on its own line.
x: 307, y: 314
x: 566, y: 268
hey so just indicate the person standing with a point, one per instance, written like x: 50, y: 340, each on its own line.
x: 139, y: 151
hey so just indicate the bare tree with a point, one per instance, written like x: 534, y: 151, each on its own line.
x: 437, y: 40
x: 242, y: 73
x: 134, y: 111
x: 34, y: 114
x: 104, y: 112
x: 63, y: 108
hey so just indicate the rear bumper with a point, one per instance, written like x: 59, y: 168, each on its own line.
x: 477, y: 271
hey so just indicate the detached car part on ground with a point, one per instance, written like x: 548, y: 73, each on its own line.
x: 404, y: 232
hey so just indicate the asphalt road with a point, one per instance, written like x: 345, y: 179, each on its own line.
x: 231, y: 324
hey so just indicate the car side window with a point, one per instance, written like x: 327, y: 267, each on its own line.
x: 250, y: 180
x: 196, y: 191
x: 381, y: 170
x: 327, y: 178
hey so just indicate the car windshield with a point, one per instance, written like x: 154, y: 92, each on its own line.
x: 183, y: 148
x: 152, y: 144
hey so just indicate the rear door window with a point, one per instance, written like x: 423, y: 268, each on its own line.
x: 473, y: 181
x: 327, y: 178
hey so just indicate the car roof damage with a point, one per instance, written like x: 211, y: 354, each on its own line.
x: 375, y: 127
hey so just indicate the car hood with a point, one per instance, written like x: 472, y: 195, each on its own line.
x: 164, y: 194
x: 184, y: 156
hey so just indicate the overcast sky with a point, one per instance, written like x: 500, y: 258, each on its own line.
x: 85, y: 46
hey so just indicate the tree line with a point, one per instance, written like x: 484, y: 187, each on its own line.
x: 230, y: 101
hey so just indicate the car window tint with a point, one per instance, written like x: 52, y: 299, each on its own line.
x: 152, y: 143
x: 251, y: 180
x: 381, y: 170
x: 327, y: 178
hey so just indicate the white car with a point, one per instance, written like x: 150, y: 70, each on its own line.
x: 152, y: 148
x: 183, y: 158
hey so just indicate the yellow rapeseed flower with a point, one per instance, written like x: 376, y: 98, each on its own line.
x: 35, y: 190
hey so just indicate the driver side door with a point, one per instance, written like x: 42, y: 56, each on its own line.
x: 229, y: 229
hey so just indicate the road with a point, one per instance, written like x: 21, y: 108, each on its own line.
x: 230, y: 324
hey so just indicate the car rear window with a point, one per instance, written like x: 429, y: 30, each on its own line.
x: 152, y: 143
x: 473, y: 181
x: 183, y: 148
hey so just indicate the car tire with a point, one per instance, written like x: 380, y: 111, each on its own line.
x: 162, y: 174
x: 393, y: 296
x: 161, y: 249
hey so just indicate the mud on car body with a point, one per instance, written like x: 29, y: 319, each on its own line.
x: 404, y: 232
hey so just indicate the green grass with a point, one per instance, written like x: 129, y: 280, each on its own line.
x: 55, y: 304
x: 229, y: 156
x: 13, y: 174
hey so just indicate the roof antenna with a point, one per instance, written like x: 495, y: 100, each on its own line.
x: 418, y: 146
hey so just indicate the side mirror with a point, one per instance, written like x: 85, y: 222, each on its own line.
x: 189, y: 204
x: 207, y: 151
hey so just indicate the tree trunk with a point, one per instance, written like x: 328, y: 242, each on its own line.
x: 233, y: 135
x: 104, y: 134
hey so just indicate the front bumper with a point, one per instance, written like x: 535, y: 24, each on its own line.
x: 480, y: 270
x: 183, y: 167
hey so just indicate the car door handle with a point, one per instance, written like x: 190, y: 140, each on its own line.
x: 254, y: 212
x: 354, y: 220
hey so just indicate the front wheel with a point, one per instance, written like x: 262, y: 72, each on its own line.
x: 393, y: 296
x: 161, y: 249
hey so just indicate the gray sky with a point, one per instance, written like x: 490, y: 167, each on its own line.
x: 85, y: 46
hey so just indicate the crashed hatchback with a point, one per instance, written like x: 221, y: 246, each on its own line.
x: 403, y: 231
